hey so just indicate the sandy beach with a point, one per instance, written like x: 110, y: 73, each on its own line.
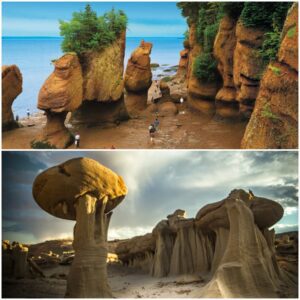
x: 187, y: 130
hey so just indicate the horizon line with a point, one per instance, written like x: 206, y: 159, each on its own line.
x: 49, y: 36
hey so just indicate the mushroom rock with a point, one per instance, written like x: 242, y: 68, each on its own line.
x: 138, y: 78
x: 248, y: 66
x: 274, y: 121
x: 103, y: 85
x: 224, y: 46
x: 81, y: 189
x: 60, y: 94
x: 244, y: 265
x: 11, y: 88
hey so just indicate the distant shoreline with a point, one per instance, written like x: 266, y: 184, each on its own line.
x: 59, y: 37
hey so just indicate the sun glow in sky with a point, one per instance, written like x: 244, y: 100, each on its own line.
x: 41, y: 18
x: 159, y: 182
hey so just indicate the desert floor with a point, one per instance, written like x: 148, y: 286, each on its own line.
x: 186, y: 130
x: 125, y: 283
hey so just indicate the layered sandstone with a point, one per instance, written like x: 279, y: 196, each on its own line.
x: 103, y: 85
x: 11, y: 87
x: 274, y: 122
x: 201, y: 95
x: 81, y: 189
x: 61, y: 93
x: 228, y: 243
x: 247, y: 66
x: 138, y: 78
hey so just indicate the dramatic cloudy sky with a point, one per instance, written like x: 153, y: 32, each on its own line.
x: 159, y: 182
x: 41, y: 18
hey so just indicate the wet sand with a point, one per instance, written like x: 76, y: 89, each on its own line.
x: 186, y: 130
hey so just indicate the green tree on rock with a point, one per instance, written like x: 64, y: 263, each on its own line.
x: 88, y: 32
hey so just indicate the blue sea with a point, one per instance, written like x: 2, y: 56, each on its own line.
x: 33, y: 56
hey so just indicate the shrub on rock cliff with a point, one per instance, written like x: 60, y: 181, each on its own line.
x: 86, y: 31
x: 205, y: 67
x: 265, y: 15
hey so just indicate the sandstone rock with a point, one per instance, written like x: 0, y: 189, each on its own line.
x: 183, y: 63
x: 138, y: 75
x: 11, y: 88
x: 274, y: 122
x: 103, y: 72
x: 224, y: 46
x: 83, y: 190
x: 248, y: 65
x: 62, y: 92
x: 167, y: 109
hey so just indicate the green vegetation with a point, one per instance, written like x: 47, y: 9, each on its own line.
x: 291, y: 32
x: 267, y: 16
x: 270, y: 46
x: 205, y: 67
x: 154, y: 65
x: 86, y: 31
x: 275, y: 70
x: 41, y: 145
x: 267, y: 113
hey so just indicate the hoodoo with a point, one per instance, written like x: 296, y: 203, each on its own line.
x: 81, y: 189
x: 228, y: 243
x: 11, y: 87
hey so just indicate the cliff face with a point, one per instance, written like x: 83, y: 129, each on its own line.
x: 247, y: 66
x: 274, y: 122
x: 201, y: 95
x: 103, y: 72
x: 11, y: 88
x: 228, y: 243
x: 239, y: 65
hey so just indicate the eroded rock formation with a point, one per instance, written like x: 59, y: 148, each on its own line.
x: 224, y: 46
x: 11, y: 88
x: 201, y: 95
x: 247, y: 66
x: 228, y: 243
x: 274, y: 122
x: 61, y: 93
x: 16, y: 263
x: 138, y: 78
x: 103, y: 85
x: 83, y: 190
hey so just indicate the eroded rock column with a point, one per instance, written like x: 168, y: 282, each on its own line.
x: 138, y: 78
x: 88, y: 273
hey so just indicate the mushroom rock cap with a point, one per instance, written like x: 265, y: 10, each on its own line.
x: 266, y: 212
x: 56, y: 189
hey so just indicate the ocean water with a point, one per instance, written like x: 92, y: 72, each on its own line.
x: 33, y: 56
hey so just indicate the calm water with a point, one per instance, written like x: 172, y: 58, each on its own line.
x: 33, y: 56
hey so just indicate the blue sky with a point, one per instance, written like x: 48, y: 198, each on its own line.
x: 159, y: 182
x: 41, y: 18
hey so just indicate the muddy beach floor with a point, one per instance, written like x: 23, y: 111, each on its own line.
x: 186, y: 130
x: 124, y: 282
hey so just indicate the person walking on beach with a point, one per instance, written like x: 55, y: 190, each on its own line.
x: 151, y: 132
x: 156, y: 124
x: 77, y: 140
x: 28, y: 113
x: 17, y: 118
